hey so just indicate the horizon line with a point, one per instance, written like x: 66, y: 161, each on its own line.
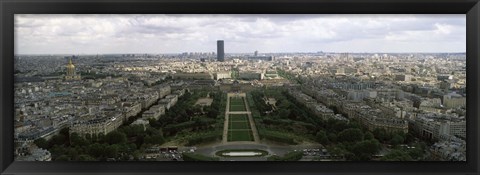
x: 426, y: 52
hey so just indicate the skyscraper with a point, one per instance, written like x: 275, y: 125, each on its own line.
x: 220, y: 51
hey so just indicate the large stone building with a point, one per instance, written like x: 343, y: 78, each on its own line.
x: 99, y: 125
x: 438, y: 126
x: 154, y: 112
x: 71, y: 73
x: 193, y: 76
x: 169, y: 101
x: 131, y: 109
x: 223, y: 75
x: 454, y: 100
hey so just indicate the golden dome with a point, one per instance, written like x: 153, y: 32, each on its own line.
x: 70, y: 64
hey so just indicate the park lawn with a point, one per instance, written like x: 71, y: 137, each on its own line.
x: 236, y: 101
x: 238, y: 117
x: 237, y: 108
x: 240, y: 136
x: 239, y: 125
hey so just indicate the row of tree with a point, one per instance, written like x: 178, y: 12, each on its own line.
x: 275, y: 136
x: 349, y: 139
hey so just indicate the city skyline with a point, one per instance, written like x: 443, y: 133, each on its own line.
x: 104, y: 34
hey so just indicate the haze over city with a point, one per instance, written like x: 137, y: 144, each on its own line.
x: 103, y: 34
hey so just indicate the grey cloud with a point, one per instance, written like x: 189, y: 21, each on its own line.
x: 175, y: 32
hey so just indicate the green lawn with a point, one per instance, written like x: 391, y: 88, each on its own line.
x: 240, y: 136
x: 239, y: 125
x: 236, y: 101
x: 238, y: 117
x: 237, y: 104
x: 237, y: 108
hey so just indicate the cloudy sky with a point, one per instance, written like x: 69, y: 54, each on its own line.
x: 100, y: 34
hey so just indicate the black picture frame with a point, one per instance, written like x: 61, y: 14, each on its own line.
x: 10, y: 7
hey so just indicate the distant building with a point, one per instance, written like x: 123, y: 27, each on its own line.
x: 402, y: 77
x: 454, y: 100
x: 250, y: 76
x: 258, y: 57
x: 444, y: 77
x: 223, y: 75
x: 271, y: 74
x: 193, y: 76
x: 164, y: 91
x: 452, y: 149
x: 438, y: 126
x: 131, y: 109
x: 141, y: 122
x: 358, y: 95
x: 220, y: 51
x: 71, y: 74
x: 99, y: 125
x: 154, y: 112
x: 169, y: 101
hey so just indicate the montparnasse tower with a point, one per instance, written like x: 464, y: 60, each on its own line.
x: 71, y: 74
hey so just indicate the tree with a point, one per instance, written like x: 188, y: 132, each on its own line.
x: 380, y: 134
x: 115, y: 137
x: 88, y: 137
x: 62, y: 158
x: 94, y: 137
x: 154, y: 123
x: 41, y: 143
x: 134, y: 130
x: 111, y: 151
x: 96, y: 150
x: 85, y: 157
x: 139, y: 140
x: 283, y: 113
x: 332, y: 137
x: 212, y: 113
x: 284, y: 104
x: 58, y: 150
x: 155, y: 139
x: 365, y: 149
x: 65, y: 131
x: 335, y: 150
x: 350, y: 135
x: 397, y: 139
x: 340, y: 126
x: 73, y: 153
x: 397, y: 155
x: 368, y: 136
x: 57, y: 140
x: 416, y: 153
x: 321, y: 137
x: 101, y: 137
x: 76, y: 140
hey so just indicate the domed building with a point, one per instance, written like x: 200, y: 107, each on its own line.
x: 71, y: 73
